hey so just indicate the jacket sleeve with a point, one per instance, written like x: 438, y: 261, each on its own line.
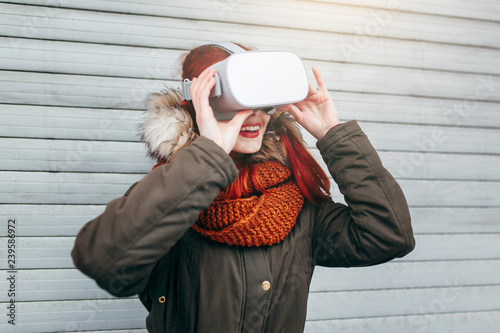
x: 375, y: 227
x: 120, y: 247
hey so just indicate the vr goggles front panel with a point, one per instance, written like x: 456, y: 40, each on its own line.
x: 256, y: 80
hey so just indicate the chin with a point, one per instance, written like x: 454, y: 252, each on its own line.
x: 247, y: 146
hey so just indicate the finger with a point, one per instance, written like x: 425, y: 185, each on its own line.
x: 207, y: 71
x: 207, y: 74
x: 199, y: 81
x: 319, y: 79
x: 283, y: 108
x: 312, y: 89
x: 200, y: 89
x: 205, y: 88
x: 204, y: 73
x: 295, y: 111
x: 239, y: 118
x: 203, y: 80
x: 194, y: 90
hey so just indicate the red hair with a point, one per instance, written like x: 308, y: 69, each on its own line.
x: 310, y: 177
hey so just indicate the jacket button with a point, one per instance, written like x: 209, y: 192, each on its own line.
x: 162, y: 299
x: 266, y: 285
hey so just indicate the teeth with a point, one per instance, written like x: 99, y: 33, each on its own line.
x: 250, y: 128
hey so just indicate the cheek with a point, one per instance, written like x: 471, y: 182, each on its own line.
x: 266, y: 120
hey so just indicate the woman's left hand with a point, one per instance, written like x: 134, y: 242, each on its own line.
x: 317, y: 113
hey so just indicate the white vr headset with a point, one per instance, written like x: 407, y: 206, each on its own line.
x: 257, y: 80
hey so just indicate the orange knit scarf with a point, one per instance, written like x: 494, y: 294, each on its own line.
x: 259, y: 219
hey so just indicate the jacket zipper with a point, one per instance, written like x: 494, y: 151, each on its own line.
x: 243, y: 291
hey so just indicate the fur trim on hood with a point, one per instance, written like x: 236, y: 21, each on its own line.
x: 167, y: 128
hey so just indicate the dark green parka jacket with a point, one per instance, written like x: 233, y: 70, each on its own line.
x: 143, y: 243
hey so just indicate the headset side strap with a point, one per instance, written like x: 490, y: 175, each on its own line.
x: 229, y: 47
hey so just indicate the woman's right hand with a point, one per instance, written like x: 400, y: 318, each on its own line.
x: 223, y: 133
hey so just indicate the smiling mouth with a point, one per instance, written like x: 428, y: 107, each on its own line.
x: 250, y: 129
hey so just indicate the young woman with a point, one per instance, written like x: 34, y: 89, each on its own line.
x: 224, y: 233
